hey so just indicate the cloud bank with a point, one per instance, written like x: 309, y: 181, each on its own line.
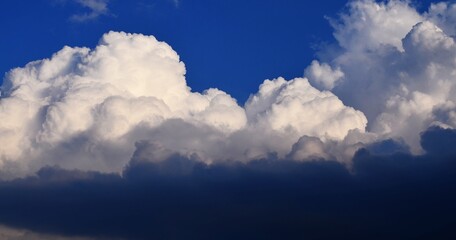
x: 392, y: 77
x: 383, y: 196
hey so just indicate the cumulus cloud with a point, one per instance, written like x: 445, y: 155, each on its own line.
x: 368, y: 25
x: 86, y: 108
x: 391, y: 78
x: 397, y: 67
x: 80, y: 100
x: 299, y: 108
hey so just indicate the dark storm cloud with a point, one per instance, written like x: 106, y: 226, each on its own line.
x: 394, y: 196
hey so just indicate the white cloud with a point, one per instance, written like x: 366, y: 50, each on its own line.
x: 323, y: 76
x: 368, y: 24
x: 398, y: 66
x: 85, y: 109
x: 93, y: 99
x: 297, y: 107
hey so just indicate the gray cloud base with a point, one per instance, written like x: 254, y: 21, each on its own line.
x: 393, y: 196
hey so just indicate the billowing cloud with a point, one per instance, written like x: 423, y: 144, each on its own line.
x: 86, y: 109
x: 392, y: 77
x: 368, y: 25
x: 397, y: 67
x: 297, y: 107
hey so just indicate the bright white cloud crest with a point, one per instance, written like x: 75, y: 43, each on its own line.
x: 86, y: 109
x: 82, y: 108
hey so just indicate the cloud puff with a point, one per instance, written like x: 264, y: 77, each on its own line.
x: 397, y: 66
x: 295, y: 106
x: 368, y: 25
x: 323, y: 76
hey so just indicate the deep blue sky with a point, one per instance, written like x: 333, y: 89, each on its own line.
x: 232, y: 45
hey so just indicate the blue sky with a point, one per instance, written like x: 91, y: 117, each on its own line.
x: 231, y: 45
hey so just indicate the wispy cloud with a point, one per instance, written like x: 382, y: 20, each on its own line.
x: 10, y: 233
x: 95, y: 8
x: 176, y: 2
